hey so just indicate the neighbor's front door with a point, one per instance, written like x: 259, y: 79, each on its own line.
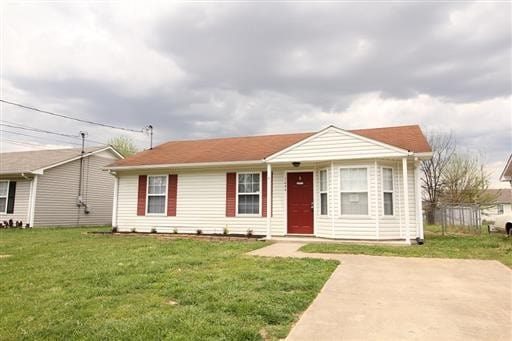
x: 300, y: 202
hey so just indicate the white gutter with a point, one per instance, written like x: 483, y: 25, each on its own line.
x: 187, y: 165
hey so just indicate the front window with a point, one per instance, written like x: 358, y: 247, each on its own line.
x: 157, y: 190
x: 323, y: 192
x: 4, y: 191
x: 248, y: 193
x: 354, y: 191
x: 387, y: 186
x: 500, y: 209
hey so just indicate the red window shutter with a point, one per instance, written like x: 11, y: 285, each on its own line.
x: 264, y: 194
x: 141, y: 198
x: 172, y: 194
x: 230, y: 194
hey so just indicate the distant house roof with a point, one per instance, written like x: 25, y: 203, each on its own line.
x: 507, y: 172
x: 503, y: 196
x: 33, y: 160
x: 256, y: 148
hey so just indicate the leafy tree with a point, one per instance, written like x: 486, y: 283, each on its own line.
x: 124, y: 145
x: 465, y: 181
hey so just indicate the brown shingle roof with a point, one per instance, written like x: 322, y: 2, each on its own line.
x: 27, y: 161
x: 253, y: 148
x: 502, y: 195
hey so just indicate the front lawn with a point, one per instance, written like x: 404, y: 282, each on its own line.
x: 484, y: 246
x: 66, y: 284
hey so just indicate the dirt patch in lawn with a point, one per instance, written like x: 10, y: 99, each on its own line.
x: 5, y: 256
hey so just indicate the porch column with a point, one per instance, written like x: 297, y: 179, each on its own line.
x: 406, y: 200
x: 269, y: 200
x: 419, y: 204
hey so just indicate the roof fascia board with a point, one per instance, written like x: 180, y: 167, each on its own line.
x: 372, y: 157
x: 188, y: 165
x: 334, y: 128
x: 42, y: 169
x: 508, y: 164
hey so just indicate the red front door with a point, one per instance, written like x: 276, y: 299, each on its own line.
x: 300, y: 202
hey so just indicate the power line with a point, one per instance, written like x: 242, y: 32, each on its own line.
x: 37, y: 130
x: 69, y: 117
x: 38, y: 137
x: 21, y: 142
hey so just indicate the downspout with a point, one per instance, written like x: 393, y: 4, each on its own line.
x: 32, y: 201
x: 269, y: 201
x: 115, y: 200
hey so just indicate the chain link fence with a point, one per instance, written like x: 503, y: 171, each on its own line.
x: 462, y: 218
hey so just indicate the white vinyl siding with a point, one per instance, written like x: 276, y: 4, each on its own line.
x: 333, y: 144
x: 201, y: 203
x: 21, y: 202
x: 4, y: 193
x: 157, y: 194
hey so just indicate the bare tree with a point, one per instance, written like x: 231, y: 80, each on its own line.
x: 123, y: 145
x: 443, y: 148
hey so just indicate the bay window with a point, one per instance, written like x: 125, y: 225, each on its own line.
x: 157, y: 194
x: 354, y: 191
x: 387, y: 188
x: 248, y: 193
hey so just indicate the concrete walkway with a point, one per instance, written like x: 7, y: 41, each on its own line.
x: 395, y: 298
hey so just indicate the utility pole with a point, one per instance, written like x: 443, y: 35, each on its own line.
x: 83, y: 134
x: 150, y: 129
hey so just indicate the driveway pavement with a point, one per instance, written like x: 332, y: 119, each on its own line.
x: 395, y: 298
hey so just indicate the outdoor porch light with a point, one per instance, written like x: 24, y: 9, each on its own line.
x: 296, y: 164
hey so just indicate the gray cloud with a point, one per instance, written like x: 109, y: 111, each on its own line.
x: 198, y: 70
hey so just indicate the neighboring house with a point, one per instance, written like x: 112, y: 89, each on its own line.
x: 503, y: 205
x: 57, y: 187
x: 507, y: 172
x: 360, y: 184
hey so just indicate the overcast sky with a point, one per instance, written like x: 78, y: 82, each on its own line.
x: 202, y: 70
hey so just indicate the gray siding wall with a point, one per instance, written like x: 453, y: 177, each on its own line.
x: 21, y: 202
x: 57, y: 192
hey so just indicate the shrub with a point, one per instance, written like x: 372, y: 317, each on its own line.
x: 133, y: 230
x: 199, y: 231
x: 114, y: 229
x: 225, y: 231
x: 249, y: 232
x: 175, y: 231
x: 153, y: 230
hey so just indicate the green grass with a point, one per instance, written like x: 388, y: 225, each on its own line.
x: 66, y: 284
x: 483, y: 246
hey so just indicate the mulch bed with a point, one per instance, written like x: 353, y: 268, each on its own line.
x: 211, y: 237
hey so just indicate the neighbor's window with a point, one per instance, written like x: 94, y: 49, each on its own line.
x: 500, y: 208
x: 248, y: 193
x: 4, y: 191
x: 157, y: 190
x: 323, y: 192
x: 354, y: 191
x: 387, y: 187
